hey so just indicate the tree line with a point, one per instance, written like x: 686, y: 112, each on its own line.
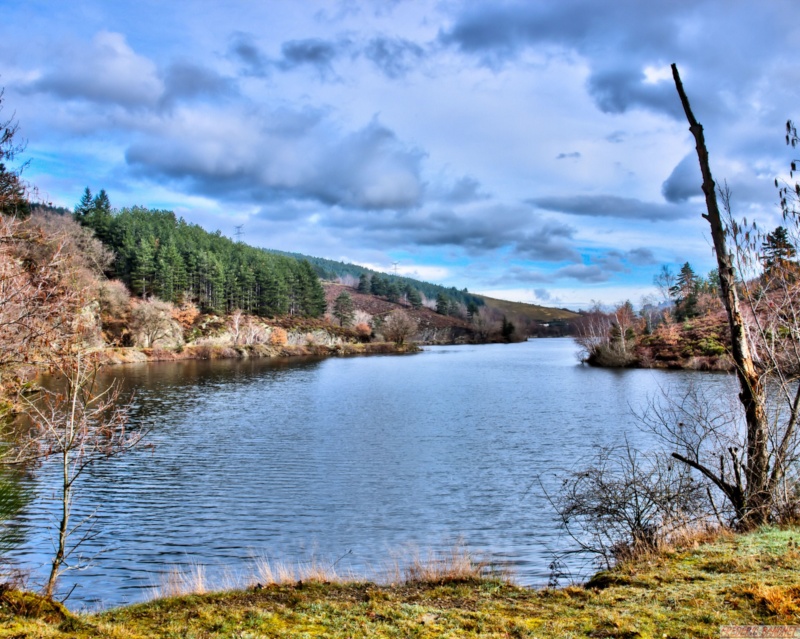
x: 159, y: 254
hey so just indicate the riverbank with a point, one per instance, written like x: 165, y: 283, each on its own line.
x: 129, y: 355
x: 688, y: 592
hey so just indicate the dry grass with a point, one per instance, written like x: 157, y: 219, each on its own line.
x: 178, y: 582
x: 453, y: 565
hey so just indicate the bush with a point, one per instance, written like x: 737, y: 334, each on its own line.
x: 278, y: 337
x: 625, y: 503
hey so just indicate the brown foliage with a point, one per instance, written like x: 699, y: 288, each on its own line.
x: 278, y: 337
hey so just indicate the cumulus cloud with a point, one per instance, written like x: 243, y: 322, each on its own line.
x: 627, y: 44
x: 185, y: 81
x: 105, y: 71
x: 261, y: 156
x: 611, y: 206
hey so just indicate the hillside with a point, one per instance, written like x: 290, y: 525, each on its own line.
x: 433, y: 328
x: 532, y: 318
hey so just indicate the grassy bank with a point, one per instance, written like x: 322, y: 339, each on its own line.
x: 749, y: 579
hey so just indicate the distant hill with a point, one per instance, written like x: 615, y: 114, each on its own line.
x: 332, y: 270
x: 530, y: 311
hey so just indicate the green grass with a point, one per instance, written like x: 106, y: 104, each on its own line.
x: 751, y: 579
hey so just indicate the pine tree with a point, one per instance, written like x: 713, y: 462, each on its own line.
x: 778, y: 253
x: 344, y: 309
x: 442, y: 304
x: 414, y: 298
x: 363, y: 283
x: 84, y: 208
x: 684, y: 293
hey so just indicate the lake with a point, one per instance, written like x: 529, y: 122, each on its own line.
x: 348, y: 460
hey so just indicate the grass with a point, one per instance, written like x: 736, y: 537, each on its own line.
x: 733, y: 580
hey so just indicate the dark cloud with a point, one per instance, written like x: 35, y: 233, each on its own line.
x: 551, y: 242
x: 269, y: 156
x: 244, y: 49
x: 621, y: 88
x: 611, y: 206
x: 591, y: 273
x: 684, y: 181
x: 641, y: 257
x: 393, y: 56
x: 568, y: 156
x: 312, y: 52
x: 542, y: 294
x: 184, y: 80
x: 466, y: 189
x: 620, y: 40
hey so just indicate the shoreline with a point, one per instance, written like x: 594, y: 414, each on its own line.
x: 134, y: 355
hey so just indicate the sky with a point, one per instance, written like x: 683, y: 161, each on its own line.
x: 529, y: 150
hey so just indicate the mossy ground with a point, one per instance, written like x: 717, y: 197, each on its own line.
x: 749, y: 579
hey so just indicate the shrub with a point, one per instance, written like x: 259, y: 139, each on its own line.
x: 278, y: 337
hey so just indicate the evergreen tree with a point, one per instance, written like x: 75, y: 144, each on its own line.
x: 507, y: 329
x: 442, y: 304
x: 393, y: 292
x: 778, y: 253
x: 364, y: 284
x: 84, y: 208
x: 414, y: 298
x: 684, y: 293
x: 378, y: 286
x: 344, y: 309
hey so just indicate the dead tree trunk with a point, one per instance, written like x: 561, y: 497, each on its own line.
x: 751, y: 500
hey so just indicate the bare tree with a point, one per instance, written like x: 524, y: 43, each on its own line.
x: 152, y: 322
x: 398, y: 327
x: 78, y: 425
x: 764, y: 330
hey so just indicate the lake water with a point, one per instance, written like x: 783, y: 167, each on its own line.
x: 351, y: 459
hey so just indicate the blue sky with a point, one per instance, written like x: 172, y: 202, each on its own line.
x: 530, y: 150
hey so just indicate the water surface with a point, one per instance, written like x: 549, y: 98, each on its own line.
x: 349, y: 459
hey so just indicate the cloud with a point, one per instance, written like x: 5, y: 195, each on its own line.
x: 185, y: 80
x: 627, y: 45
x: 312, y: 52
x: 611, y: 206
x: 243, y: 48
x: 568, y: 156
x: 393, y: 56
x: 542, y: 294
x: 106, y: 71
x: 464, y: 190
x: 263, y: 156
x: 684, y: 181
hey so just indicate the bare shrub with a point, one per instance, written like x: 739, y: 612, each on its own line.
x: 398, y: 327
x: 114, y: 298
x: 625, y: 503
x: 152, y: 324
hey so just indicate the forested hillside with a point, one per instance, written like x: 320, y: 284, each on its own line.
x: 160, y: 254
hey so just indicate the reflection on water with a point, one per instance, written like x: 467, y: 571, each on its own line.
x: 357, y: 457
